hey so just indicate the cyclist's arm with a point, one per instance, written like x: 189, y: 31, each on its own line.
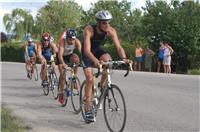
x: 87, y: 34
x: 61, y: 52
x: 112, y: 33
x: 78, y: 45
x: 54, y: 48
x: 39, y: 52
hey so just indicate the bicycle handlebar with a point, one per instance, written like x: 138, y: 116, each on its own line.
x: 109, y: 64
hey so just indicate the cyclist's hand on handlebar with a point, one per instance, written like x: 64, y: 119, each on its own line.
x: 97, y: 63
x: 65, y: 66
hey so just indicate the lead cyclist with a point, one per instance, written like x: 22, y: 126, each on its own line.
x: 92, y: 53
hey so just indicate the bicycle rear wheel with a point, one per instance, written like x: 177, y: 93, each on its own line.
x: 54, y: 86
x: 114, y: 109
x: 35, y: 73
x: 75, y: 93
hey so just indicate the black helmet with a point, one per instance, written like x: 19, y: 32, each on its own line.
x: 71, y: 33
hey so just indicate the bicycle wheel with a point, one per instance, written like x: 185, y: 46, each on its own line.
x: 66, y: 94
x: 114, y: 109
x: 75, y: 92
x: 82, y: 100
x: 35, y: 73
x: 83, y: 104
x: 54, y: 85
x: 46, y: 90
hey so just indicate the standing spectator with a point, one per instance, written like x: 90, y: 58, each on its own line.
x: 148, y: 58
x: 138, y: 57
x: 167, y: 58
x: 160, y: 56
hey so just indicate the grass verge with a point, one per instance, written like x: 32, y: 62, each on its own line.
x: 9, y: 123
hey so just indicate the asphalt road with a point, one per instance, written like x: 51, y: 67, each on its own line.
x: 155, y: 102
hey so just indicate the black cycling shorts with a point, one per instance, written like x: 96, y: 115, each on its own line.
x: 98, y: 52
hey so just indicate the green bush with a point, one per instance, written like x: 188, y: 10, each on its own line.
x: 194, y: 71
x: 12, y: 52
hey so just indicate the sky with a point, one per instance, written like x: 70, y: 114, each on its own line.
x: 6, y: 6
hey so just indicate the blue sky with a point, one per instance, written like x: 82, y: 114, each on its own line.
x: 6, y: 6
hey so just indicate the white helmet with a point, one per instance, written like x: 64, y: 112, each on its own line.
x: 103, y: 15
x: 30, y: 39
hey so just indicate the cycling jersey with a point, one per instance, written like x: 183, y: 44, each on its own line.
x: 96, y: 41
x: 47, y: 52
x: 31, y: 49
x: 68, y: 48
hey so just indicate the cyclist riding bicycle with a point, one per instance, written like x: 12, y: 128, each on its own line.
x: 92, y: 53
x: 30, y: 55
x: 65, y: 55
x: 46, y: 49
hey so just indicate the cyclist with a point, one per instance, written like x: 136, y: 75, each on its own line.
x: 92, y: 53
x: 46, y: 49
x: 66, y: 47
x: 30, y: 55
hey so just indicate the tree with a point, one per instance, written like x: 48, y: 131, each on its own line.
x: 57, y: 15
x: 18, y: 22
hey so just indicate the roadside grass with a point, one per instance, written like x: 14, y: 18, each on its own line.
x: 194, y: 72
x: 9, y: 123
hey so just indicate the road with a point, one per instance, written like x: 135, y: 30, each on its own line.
x: 156, y: 102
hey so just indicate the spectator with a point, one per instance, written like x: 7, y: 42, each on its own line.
x: 160, y: 56
x: 148, y: 58
x: 167, y: 58
x: 138, y: 58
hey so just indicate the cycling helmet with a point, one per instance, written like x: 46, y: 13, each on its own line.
x: 30, y: 39
x: 71, y: 33
x: 103, y: 15
x: 46, y: 36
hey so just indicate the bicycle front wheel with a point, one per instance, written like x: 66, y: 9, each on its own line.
x: 114, y: 109
x: 67, y: 93
x: 82, y: 100
x: 35, y: 73
x: 54, y: 85
x: 75, y: 93
x: 46, y: 90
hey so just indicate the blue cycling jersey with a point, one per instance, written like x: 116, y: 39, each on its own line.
x: 31, y: 48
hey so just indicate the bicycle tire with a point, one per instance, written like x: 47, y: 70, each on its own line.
x: 46, y: 90
x: 35, y: 73
x: 54, y: 88
x: 65, y: 96
x: 82, y: 102
x: 75, y: 93
x: 110, y: 99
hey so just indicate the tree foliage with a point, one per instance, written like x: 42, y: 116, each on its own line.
x: 18, y: 22
x: 57, y: 15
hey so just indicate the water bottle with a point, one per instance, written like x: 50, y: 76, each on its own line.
x: 68, y: 93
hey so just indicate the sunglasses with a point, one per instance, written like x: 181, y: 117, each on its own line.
x: 105, y: 22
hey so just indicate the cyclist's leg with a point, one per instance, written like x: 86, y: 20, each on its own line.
x: 61, y: 78
x: 88, y: 88
x: 104, y: 57
x: 74, y: 59
x: 61, y: 84
x: 43, y: 72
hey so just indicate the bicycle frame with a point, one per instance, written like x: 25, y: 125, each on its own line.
x: 108, y: 81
